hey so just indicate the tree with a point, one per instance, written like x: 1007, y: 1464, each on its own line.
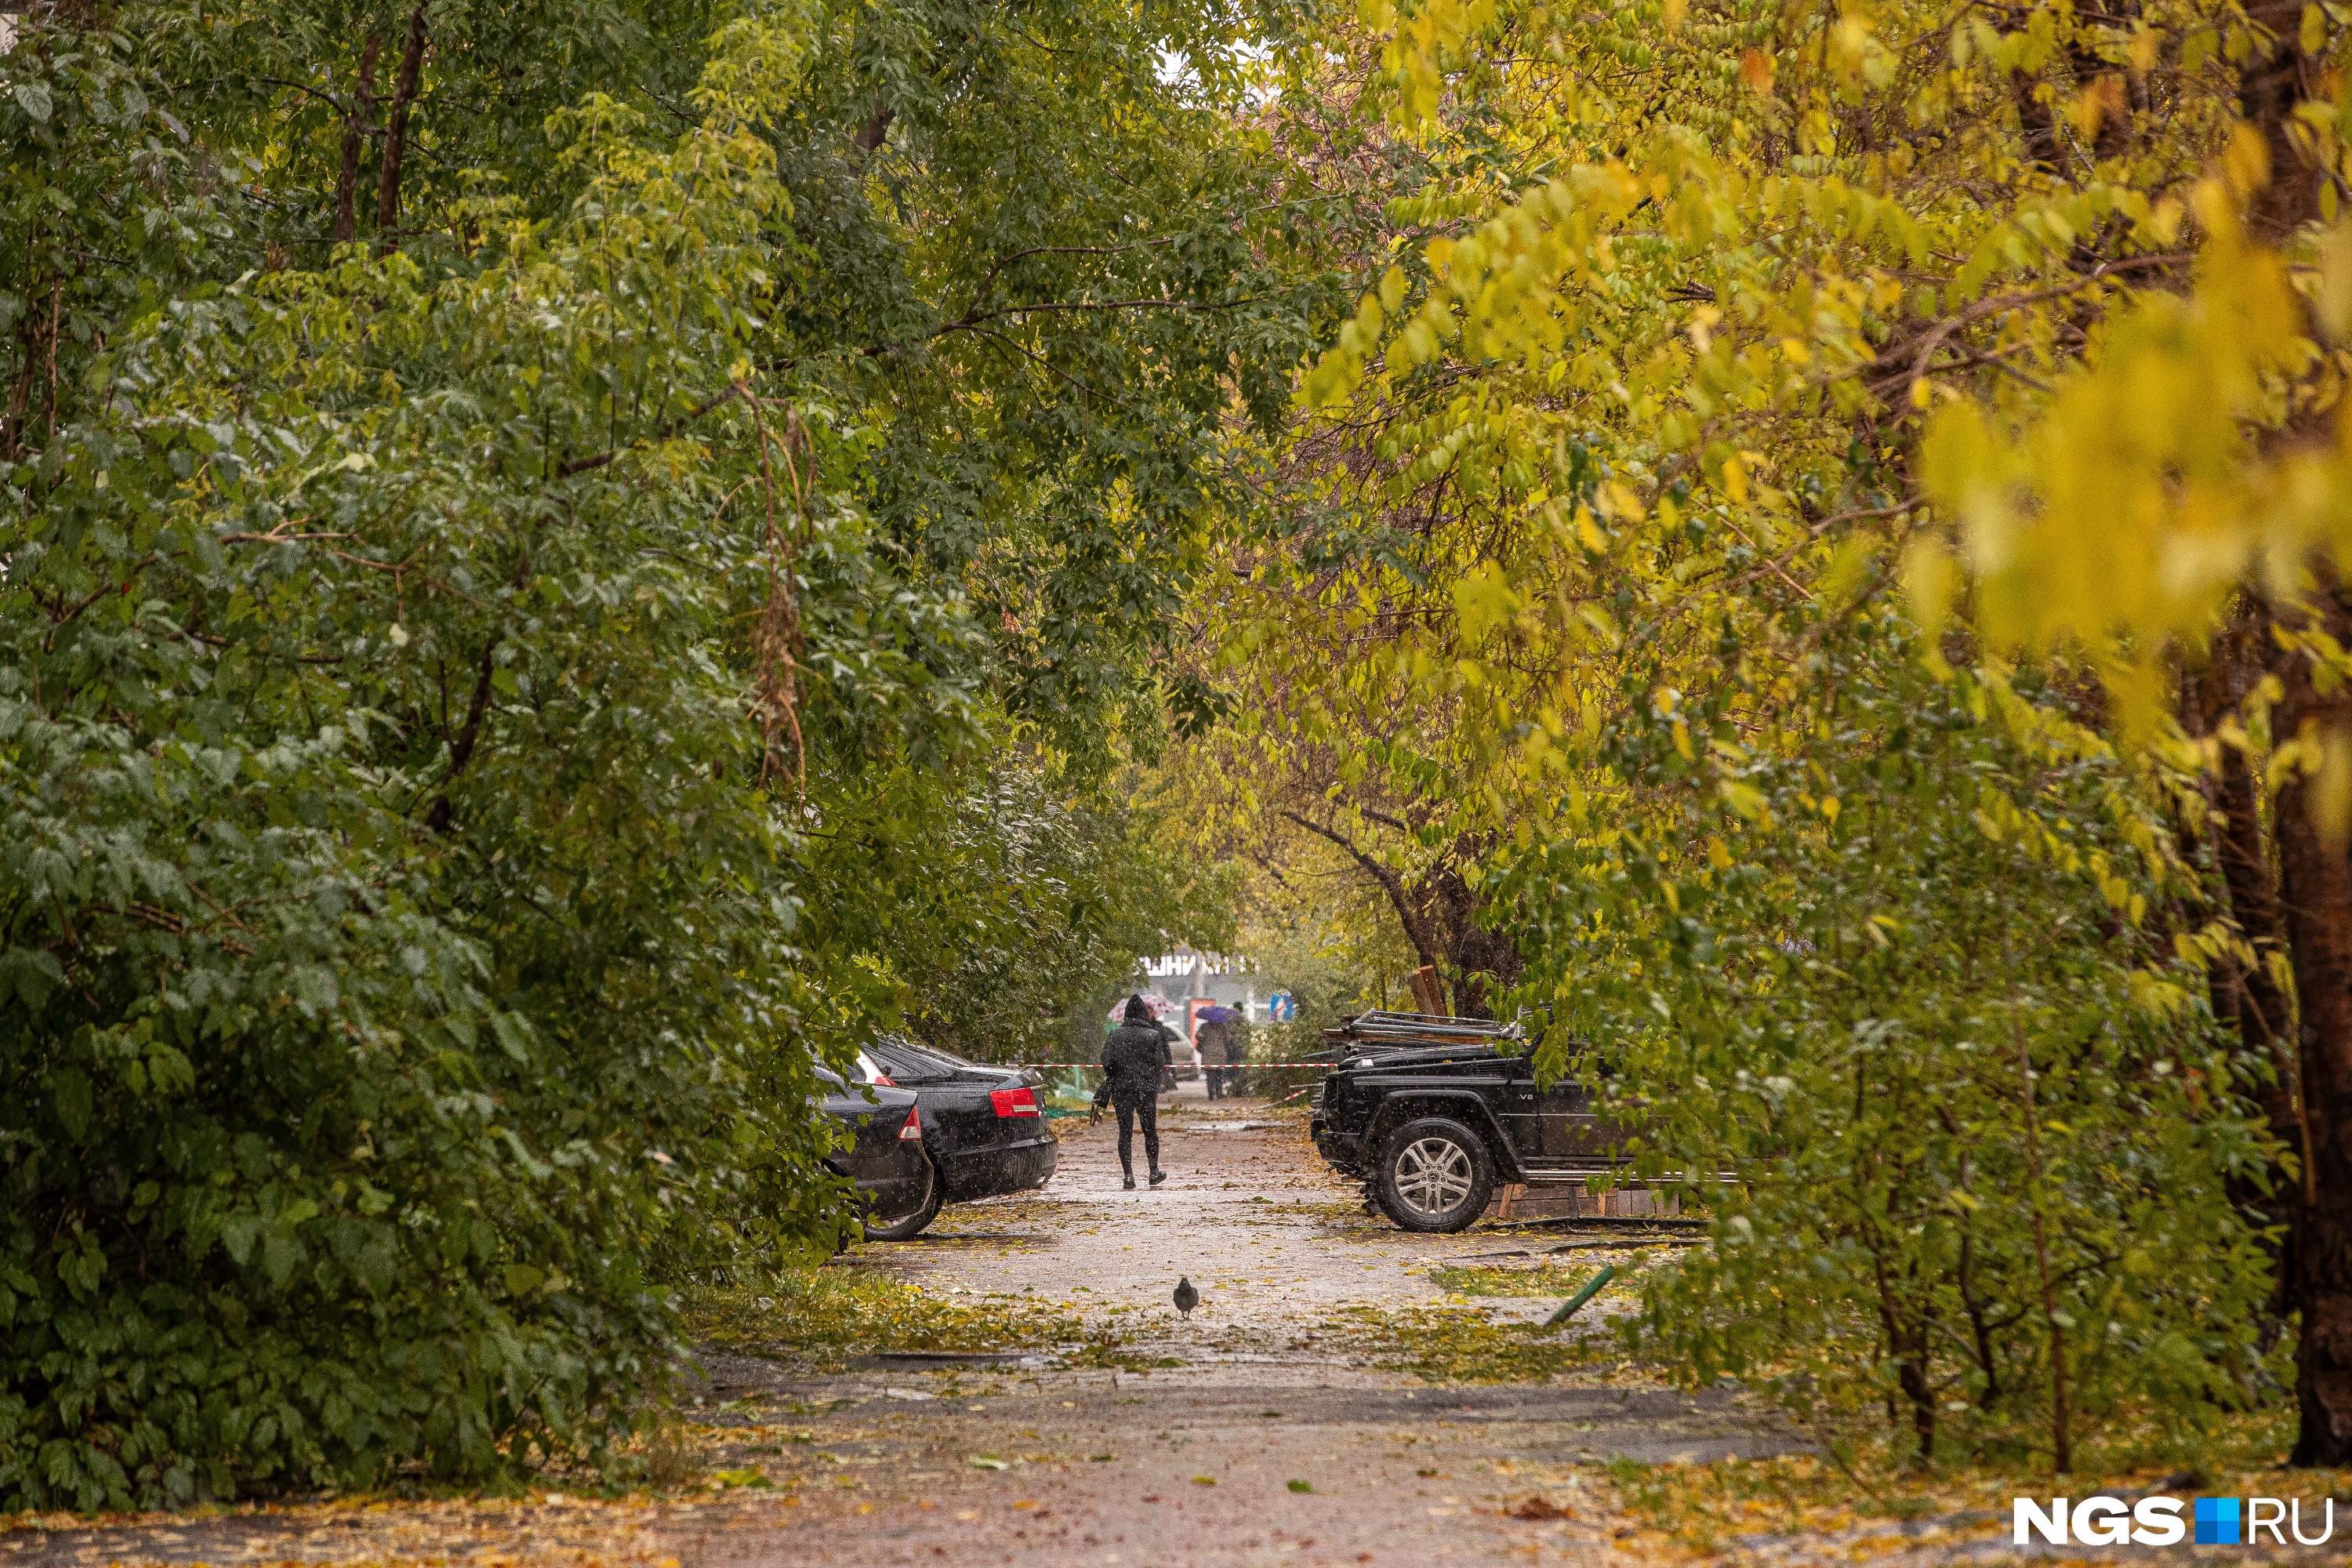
x: 1981, y: 1132
x: 390, y: 895
x: 1700, y: 311
x: 1039, y: 270
x: 443, y: 650
x: 992, y: 916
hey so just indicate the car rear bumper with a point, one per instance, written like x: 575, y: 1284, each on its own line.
x: 1020, y: 1166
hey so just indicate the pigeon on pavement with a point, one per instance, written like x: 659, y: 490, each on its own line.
x: 1186, y: 1297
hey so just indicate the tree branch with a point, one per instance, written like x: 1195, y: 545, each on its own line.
x: 347, y: 177
x: 461, y: 749
x: 395, y: 140
x: 564, y: 470
x: 1416, y: 928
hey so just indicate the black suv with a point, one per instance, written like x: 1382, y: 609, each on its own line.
x: 1430, y: 1113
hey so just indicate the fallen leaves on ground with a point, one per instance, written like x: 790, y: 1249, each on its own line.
x: 826, y: 1314
x: 1463, y: 1344
x: 1545, y: 1278
x: 556, y: 1530
x: 1871, y: 1500
x: 1540, y: 1506
x: 746, y: 1477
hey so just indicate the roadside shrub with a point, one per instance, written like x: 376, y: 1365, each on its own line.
x: 393, y: 896
x: 1895, y: 976
x: 276, y: 1208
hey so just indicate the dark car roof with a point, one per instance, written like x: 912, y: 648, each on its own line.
x: 840, y: 1099
x: 1379, y: 1029
x: 1399, y: 1059
x: 898, y: 1044
x: 897, y: 1054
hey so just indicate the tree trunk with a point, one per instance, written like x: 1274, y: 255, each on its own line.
x: 2270, y: 90
x: 1907, y: 1345
x: 1475, y: 956
x: 875, y: 128
x: 462, y: 744
x: 2247, y: 994
x: 1439, y: 914
x: 2315, y: 882
x: 356, y: 124
x: 396, y: 131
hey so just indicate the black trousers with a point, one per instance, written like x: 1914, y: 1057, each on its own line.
x: 1129, y: 1112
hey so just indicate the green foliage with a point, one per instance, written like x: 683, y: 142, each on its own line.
x: 1548, y: 1276
x: 994, y: 915
x: 388, y: 893
x: 1685, y: 313
x: 1883, y: 973
x: 1041, y: 272
x: 1577, y: 565
x: 478, y: 707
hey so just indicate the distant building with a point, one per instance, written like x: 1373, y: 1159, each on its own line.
x: 1183, y: 980
x: 1185, y: 974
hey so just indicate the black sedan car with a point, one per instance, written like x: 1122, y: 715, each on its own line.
x: 886, y: 1156
x: 985, y: 1133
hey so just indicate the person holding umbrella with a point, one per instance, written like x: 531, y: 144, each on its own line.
x: 1215, y: 1034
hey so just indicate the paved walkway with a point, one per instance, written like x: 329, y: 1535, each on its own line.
x: 1267, y: 1233
x: 1261, y: 1437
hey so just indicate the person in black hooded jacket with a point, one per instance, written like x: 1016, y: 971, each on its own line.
x: 1134, y: 1056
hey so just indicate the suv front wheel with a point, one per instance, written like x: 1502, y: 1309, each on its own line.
x: 1434, y: 1175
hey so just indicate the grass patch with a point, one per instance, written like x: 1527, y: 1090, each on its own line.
x: 826, y: 1315
x: 1546, y: 1279
x: 1460, y: 1344
x: 820, y: 1318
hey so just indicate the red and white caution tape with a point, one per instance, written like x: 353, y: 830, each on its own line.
x: 1097, y: 1066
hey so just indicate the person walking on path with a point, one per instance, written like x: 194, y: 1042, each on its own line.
x: 1214, y: 1035
x: 1134, y: 1056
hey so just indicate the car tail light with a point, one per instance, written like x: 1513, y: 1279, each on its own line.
x: 913, y: 1128
x: 883, y: 1079
x: 1014, y: 1101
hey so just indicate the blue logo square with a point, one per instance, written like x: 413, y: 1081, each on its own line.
x: 2217, y: 1521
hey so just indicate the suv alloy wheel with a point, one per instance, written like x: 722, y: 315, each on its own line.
x: 1434, y: 1175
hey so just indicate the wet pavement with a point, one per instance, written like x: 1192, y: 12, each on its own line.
x: 1251, y: 1434
x: 1270, y: 1236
